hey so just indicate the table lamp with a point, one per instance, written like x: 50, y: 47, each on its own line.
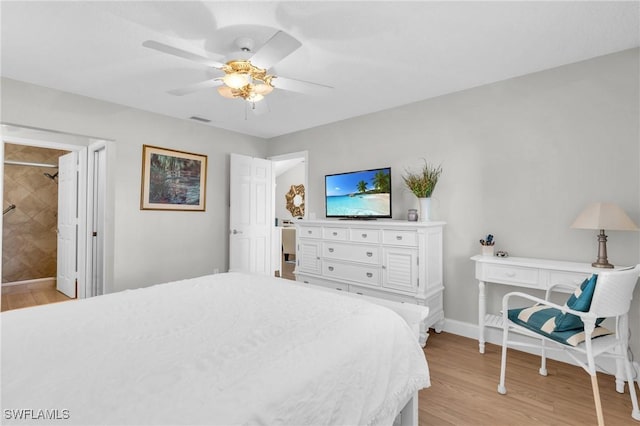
x: 604, y: 216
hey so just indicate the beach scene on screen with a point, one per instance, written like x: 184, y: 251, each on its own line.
x: 364, y: 193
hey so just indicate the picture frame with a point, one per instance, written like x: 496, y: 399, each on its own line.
x: 173, y: 180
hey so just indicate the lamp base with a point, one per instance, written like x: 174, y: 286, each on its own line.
x: 602, y: 261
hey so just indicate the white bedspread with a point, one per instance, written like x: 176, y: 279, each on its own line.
x: 221, y: 349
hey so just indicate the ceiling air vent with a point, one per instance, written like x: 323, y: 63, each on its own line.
x: 200, y: 119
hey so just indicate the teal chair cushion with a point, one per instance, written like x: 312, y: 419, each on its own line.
x: 542, y: 320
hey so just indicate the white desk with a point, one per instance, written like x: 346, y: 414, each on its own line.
x: 538, y: 274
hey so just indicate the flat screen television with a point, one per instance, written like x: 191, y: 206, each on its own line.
x: 365, y: 194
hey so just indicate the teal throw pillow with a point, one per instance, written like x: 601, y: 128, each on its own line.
x: 580, y: 300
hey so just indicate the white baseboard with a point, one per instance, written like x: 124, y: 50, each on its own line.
x: 35, y: 281
x: 494, y: 335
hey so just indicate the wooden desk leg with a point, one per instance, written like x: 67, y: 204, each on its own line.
x: 482, y: 309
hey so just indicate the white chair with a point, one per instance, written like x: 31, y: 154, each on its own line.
x: 611, y: 299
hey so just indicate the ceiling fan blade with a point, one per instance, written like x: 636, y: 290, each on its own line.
x: 165, y: 48
x: 299, y: 86
x: 274, y: 50
x: 195, y: 87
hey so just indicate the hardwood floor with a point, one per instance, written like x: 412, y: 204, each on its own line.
x: 464, y: 389
x: 25, y: 295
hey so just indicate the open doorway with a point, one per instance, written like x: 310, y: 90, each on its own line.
x: 30, y: 213
x: 85, y: 207
x: 290, y: 204
x: 255, y: 231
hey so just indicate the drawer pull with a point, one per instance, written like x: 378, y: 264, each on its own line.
x: 335, y: 234
x: 369, y: 274
x: 363, y: 236
x: 359, y: 293
x: 309, y: 231
x: 369, y: 254
x: 338, y: 288
x: 398, y: 237
x: 330, y: 249
x: 306, y: 282
x: 331, y: 268
x: 510, y: 274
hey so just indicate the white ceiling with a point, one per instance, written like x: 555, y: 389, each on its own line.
x: 375, y: 55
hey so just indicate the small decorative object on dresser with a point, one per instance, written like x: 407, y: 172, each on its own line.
x: 412, y: 215
x: 391, y: 259
x: 422, y: 184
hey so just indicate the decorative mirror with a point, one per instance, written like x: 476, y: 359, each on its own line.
x: 295, y: 200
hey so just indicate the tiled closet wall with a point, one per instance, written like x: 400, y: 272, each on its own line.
x: 29, y: 241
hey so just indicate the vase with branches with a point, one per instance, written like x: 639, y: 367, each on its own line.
x: 422, y: 183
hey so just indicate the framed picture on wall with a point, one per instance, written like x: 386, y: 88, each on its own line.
x: 172, y: 180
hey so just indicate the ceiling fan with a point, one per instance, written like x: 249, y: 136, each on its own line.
x: 245, y: 76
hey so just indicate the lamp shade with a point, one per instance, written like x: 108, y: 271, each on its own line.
x: 604, y: 216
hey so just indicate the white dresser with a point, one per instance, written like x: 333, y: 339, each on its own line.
x: 390, y: 259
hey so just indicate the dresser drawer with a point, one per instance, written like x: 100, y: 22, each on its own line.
x: 359, y: 273
x: 340, y: 234
x: 371, y: 292
x: 310, y: 232
x: 512, y: 275
x: 400, y: 238
x: 364, y: 235
x: 351, y: 252
x: 324, y: 283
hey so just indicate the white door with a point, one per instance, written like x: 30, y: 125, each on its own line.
x: 67, y: 223
x: 250, y: 214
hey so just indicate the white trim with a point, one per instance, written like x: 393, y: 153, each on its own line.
x: 81, y: 266
x: 34, y: 281
x: 41, y: 143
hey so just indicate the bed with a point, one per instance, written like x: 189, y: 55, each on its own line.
x: 222, y: 349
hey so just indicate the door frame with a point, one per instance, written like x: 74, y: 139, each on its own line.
x: 276, y: 244
x: 30, y: 136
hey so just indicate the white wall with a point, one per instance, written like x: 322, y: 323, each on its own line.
x: 149, y: 246
x: 521, y: 158
x: 293, y: 176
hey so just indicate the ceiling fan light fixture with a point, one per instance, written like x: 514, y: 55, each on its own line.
x: 236, y: 80
x: 227, y: 92
x: 263, y: 89
x: 254, y: 97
